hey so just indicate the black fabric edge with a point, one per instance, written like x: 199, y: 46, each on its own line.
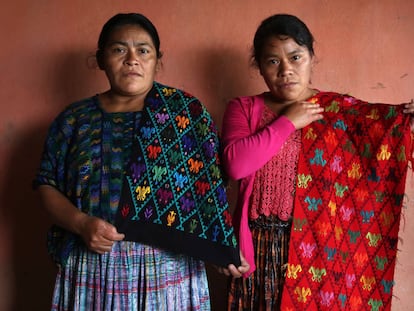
x: 184, y: 243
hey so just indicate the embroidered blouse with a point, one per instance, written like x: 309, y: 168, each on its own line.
x: 273, y: 187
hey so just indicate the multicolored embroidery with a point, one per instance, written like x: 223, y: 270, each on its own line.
x: 173, y: 195
x: 84, y: 157
x: 350, y: 184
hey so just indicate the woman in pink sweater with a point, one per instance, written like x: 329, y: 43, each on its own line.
x: 262, y: 139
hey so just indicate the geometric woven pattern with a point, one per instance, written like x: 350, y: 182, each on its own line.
x: 349, y: 195
x: 173, y: 194
x: 83, y: 158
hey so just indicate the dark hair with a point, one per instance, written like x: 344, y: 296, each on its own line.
x: 281, y: 25
x: 123, y: 19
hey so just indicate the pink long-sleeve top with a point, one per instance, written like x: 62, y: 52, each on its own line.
x: 245, y: 150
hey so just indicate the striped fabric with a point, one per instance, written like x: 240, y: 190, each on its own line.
x: 83, y: 158
x: 131, y: 277
x: 262, y: 290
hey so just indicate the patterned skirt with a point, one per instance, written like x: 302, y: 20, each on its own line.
x: 263, y: 289
x: 131, y: 277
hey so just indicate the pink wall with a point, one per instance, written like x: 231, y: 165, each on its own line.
x: 363, y: 47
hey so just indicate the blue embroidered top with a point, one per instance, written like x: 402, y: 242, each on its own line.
x: 174, y: 171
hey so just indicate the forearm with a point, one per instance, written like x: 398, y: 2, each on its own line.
x: 62, y: 212
x: 243, y: 155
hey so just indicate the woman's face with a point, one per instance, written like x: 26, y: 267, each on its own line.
x: 286, y: 68
x: 130, y: 61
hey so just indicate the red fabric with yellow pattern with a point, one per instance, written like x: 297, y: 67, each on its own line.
x: 349, y: 194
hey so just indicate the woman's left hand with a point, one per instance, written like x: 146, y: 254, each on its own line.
x: 409, y: 108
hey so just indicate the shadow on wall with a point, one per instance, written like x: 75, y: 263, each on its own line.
x: 33, y: 271
x: 72, y: 77
x: 222, y: 73
x: 225, y: 73
x: 69, y: 78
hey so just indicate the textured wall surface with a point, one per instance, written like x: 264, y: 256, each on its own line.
x: 363, y: 48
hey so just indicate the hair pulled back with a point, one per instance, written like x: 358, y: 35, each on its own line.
x: 281, y: 25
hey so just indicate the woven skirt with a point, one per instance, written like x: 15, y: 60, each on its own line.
x: 131, y: 277
x: 263, y: 289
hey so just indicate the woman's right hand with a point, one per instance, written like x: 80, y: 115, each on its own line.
x: 234, y: 271
x: 99, y: 235
x: 304, y: 113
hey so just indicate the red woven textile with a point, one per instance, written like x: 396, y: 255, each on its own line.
x: 349, y: 194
